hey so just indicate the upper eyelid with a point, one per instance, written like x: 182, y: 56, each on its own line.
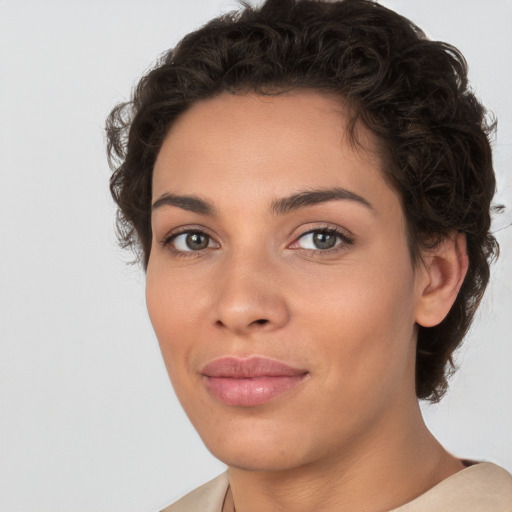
x: 342, y: 232
x: 326, y: 230
x: 186, y: 229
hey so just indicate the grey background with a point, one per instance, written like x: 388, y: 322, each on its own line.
x: 88, y: 421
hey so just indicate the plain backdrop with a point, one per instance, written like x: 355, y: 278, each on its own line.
x: 88, y: 420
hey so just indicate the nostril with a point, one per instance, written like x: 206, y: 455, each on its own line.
x: 260, y: 321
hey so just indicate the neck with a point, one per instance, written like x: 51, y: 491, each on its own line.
x: 385, y: 468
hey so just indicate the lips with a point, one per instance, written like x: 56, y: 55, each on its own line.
x: 249, y: 382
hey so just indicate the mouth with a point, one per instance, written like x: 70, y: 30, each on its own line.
x: 249, y: 382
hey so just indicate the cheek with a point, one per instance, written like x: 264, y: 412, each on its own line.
x: 361, y: 323
x: 174, y: 309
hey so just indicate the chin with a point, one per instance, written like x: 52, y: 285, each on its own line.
x: 280, y: 446
x: 260, y: 445
x: 252, y: 458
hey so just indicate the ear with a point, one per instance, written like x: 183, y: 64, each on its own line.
x: 439, y: 279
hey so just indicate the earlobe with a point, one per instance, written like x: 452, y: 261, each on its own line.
x: 440, y: 278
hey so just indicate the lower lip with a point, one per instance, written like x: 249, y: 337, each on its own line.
x: 250, y: 392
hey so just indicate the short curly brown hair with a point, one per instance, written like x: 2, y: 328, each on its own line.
x: 411, y: 92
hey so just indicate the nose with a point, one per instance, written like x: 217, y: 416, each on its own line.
x: 249, y: 297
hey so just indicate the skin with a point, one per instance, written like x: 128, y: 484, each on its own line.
x: 350, y: 435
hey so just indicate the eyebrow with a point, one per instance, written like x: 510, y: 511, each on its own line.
x: 312, y: 197
x: 190, y: 203
x: 279, y: 206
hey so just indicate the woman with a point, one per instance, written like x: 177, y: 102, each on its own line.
x: 309, y: 185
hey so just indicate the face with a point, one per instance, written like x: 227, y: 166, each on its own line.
x: 280, y: 284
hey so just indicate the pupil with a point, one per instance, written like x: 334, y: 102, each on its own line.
x: 324, y: 240
x: 197, y: 241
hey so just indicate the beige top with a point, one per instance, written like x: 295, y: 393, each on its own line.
x: 483, y: 487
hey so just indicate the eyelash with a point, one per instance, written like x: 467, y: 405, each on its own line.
x: 345, y: 241
x: 167, y: 242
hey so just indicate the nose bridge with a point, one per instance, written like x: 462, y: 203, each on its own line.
x: 249, y: 296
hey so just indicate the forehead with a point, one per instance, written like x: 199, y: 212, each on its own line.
x: 275, y: 144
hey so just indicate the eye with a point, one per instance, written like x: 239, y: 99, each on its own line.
x: 320, y: 240
x: 190, y: 241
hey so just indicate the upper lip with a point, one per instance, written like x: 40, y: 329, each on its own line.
x: 250, y: 367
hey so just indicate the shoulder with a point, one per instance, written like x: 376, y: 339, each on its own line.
x: 483, y: 487
x: 209, y: 497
